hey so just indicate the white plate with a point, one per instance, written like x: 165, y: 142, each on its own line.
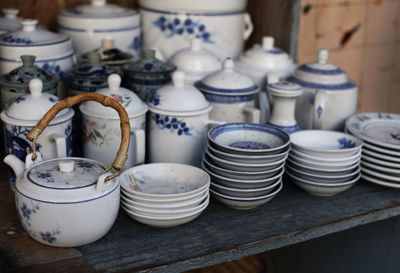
x: 388, y: 177
x: 380, y: 156
x: 322, y: 171
x: 341, y: 160
x: 378, y: 161
x: 380, y: 181
x: 331, y: 166
x: 384, y: 170
x: 378, y: 149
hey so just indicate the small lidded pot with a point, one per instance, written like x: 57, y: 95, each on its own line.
x: 178, y: 123
x: 16, y: 82
x: 329, y: 97
x: 232, y: 95
x: 10, y: 21
x: 101, y: 126
x: 147, y: 75
x: 195, y: 61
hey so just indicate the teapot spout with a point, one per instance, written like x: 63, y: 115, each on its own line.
x: 15, y: 163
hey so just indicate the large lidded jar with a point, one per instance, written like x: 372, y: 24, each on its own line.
x: 87, y: 25
x: 10, y: 21
x: 232, y: 95
x: 16, y: 82
x: 53, y: 51
x: 147, y: 75
x: 178, y: 123
x: 101, y: 126
x: 329, y: 97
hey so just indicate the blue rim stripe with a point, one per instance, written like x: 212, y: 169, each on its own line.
x: 331, y: 87
x: 31, y: 45
x: 70, y: 13
x: 203, y: 87
x: 228, y: 99
x: 193, y: 13
x: 39, y: 61
x: 99, y: 30
x: 309, y: 69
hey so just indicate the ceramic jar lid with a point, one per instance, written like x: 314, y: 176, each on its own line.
x: 179, y: 99
x: 9, y: 21
x: 195, y: 5
x: 129, y: 100
x: 149, y: 64
x: 227, y: 82
x: 27, y: 110
x: 322, y: 75
x: 285, y: 89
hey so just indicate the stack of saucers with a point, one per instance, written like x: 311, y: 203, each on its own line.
x: 245, y: 162
x: 324, y: 163
x: 380, y: 159
x: 164, y: 194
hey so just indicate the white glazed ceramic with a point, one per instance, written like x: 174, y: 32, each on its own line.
x: 170, y: 25
x: 323, y: 143
x: 195, y: 61
x: 323, y: 165
x: 101, y: 125
x: 232, y: 95
x: 323, y: 171
x: 380, y: 156
x: 10, y: 21
x: 53, y: 51
x: 380, y: 181
x: 248, y: 139
x: 393, y: 177
x: 87, y: 25
x: 322, y: 178
x: 250, y: 192
x: 379, y: 161
x: 308, y: 157
x: 381, y: 169
x: 329, y: 97
x: 245, y: 203
x: 355, y: 123
x: 381, y: 150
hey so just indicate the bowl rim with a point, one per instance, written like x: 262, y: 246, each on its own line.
x: 326, y: 176
x: 325, y: 185
x: 326, y: 159
x: 249, y: 199
x: 294, y: 157
x: 248, y: 190
x: 357, y: 163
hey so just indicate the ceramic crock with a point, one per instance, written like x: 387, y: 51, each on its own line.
x: 147, y: 75
x: 195, y: 61
x: 24, y: 113
x: 169, y: 25
x: 101, y: 132
x: 10, y: 21
x: 53, y: 51
x: 68, y: 202
x: 87, y: 25
x: 16, y: 82
x: 329, y: 97
x: 178, y: 123
x: 232, y: 95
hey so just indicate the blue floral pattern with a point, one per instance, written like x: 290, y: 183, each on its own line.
x: 85, y: 165
x: 16, y: 40
x: 155, y: 100
x: 48, y: 236
x: 19, y: 99
x: 55, y: 68
x: 320, y: 110
x: 249, y: 145
x: 135, y: 45
x: 26, y: 213
x: 345, y: 143
x: 47, y: 176
x: 68, y: 135
x: 172, y: 124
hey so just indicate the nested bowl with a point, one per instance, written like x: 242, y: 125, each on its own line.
x: 323, y: 178
x: 318, y: 159
x: 238, y: 192
x: 324, y: 165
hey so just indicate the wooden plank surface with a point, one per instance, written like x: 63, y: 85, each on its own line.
x: 220, y: 234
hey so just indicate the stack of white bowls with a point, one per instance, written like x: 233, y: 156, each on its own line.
x: 245, y: 162
x: 164, y: 194
x: 324, y: 163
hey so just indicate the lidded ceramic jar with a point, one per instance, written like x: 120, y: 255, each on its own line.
x: 101, y: 125
x: 10, y: 21
x: 147, y: 75
x: 178, y: 123
x: 16, y: 82
x: 329, y: 97
x: 232, y: 95
x: 88, y: 24
x: 53, y: 51
x: 195, y: 61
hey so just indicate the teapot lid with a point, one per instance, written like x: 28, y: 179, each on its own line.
x: 128, y: 99
x: 9, y: 21
x: 195, y: 5
x: 27, y: 110
x: 227, y: 82
x: 98, y: 9
x: 179, y: 99
x: 149, y: 64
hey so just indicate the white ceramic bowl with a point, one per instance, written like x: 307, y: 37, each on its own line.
x: 322, y: 171
x: 251, y: 192
x: 331, y: 165
x: 322, y: 189
x: 324, y: 143
x: 313, y: 158
x: 322, y: 178
x: 248, y: 139
x: 244, y: 203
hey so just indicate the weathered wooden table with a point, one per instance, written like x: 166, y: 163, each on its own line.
x: 220, y: 234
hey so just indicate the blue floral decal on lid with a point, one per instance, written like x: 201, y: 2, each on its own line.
x: 172, y: 124
x: 19, y: 99
x: 249, y: 145
x: 345, y: 143
x: 16, y: 40
x: 155, y: 100
x: 47, y: 176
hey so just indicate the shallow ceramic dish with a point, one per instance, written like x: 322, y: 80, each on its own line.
x: 331, y: 165
x: 386, y: 176
x: 322, y: 178
x: 322, y: 171
x: 323, y: 143
x: 248, y: 139
x: 308, y: 157
x: 238, y: 174
x: 383, y: 150
x: 379, y: 181
x: 164, y: 180
x: 322, y: 189
x: 380, y: 162
x: 251, y: 192
x: 244, y: 203
x: 381, y: 169
x: 369, y: 152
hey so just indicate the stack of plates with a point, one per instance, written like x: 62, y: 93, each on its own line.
x: 324, y: 163
x: 245, y: 162
x: 380, y: 160
x: 164, y: 194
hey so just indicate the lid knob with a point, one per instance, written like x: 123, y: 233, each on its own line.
x: 323, y: 56
x: 149, y: 54
x: 93, y: 58
x: 272, y: 78
x: 35, y: 86
x: 268, y: 42
x: 228, y: 64
x: 114, y: 82
x: 66, y: 166
x: 178, y: 79
x: 195, y: 44
x: 10, y: 13
x: 28, y: 60
x: 29, y: 25
x: 108, y: 42
x: 99, y: 2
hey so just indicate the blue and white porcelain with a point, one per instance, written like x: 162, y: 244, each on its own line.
x: 319, y: 159
x: 10, y: 21
x: 320, y: 170
x: 232, y: 95
x: 88, y: 24
x: 329, y: 97
x: 53, y: 51
x: 169, y: 25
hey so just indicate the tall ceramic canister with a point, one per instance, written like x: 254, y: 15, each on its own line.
x: 195, y: 61
x: 101, y: 126
x: 53, y: 51
x: 178, y: 124
x: 88, y: 24
x: 24, y: 113
x: 232, y: 95
x: 169, y: 25
x: 329, y: 97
